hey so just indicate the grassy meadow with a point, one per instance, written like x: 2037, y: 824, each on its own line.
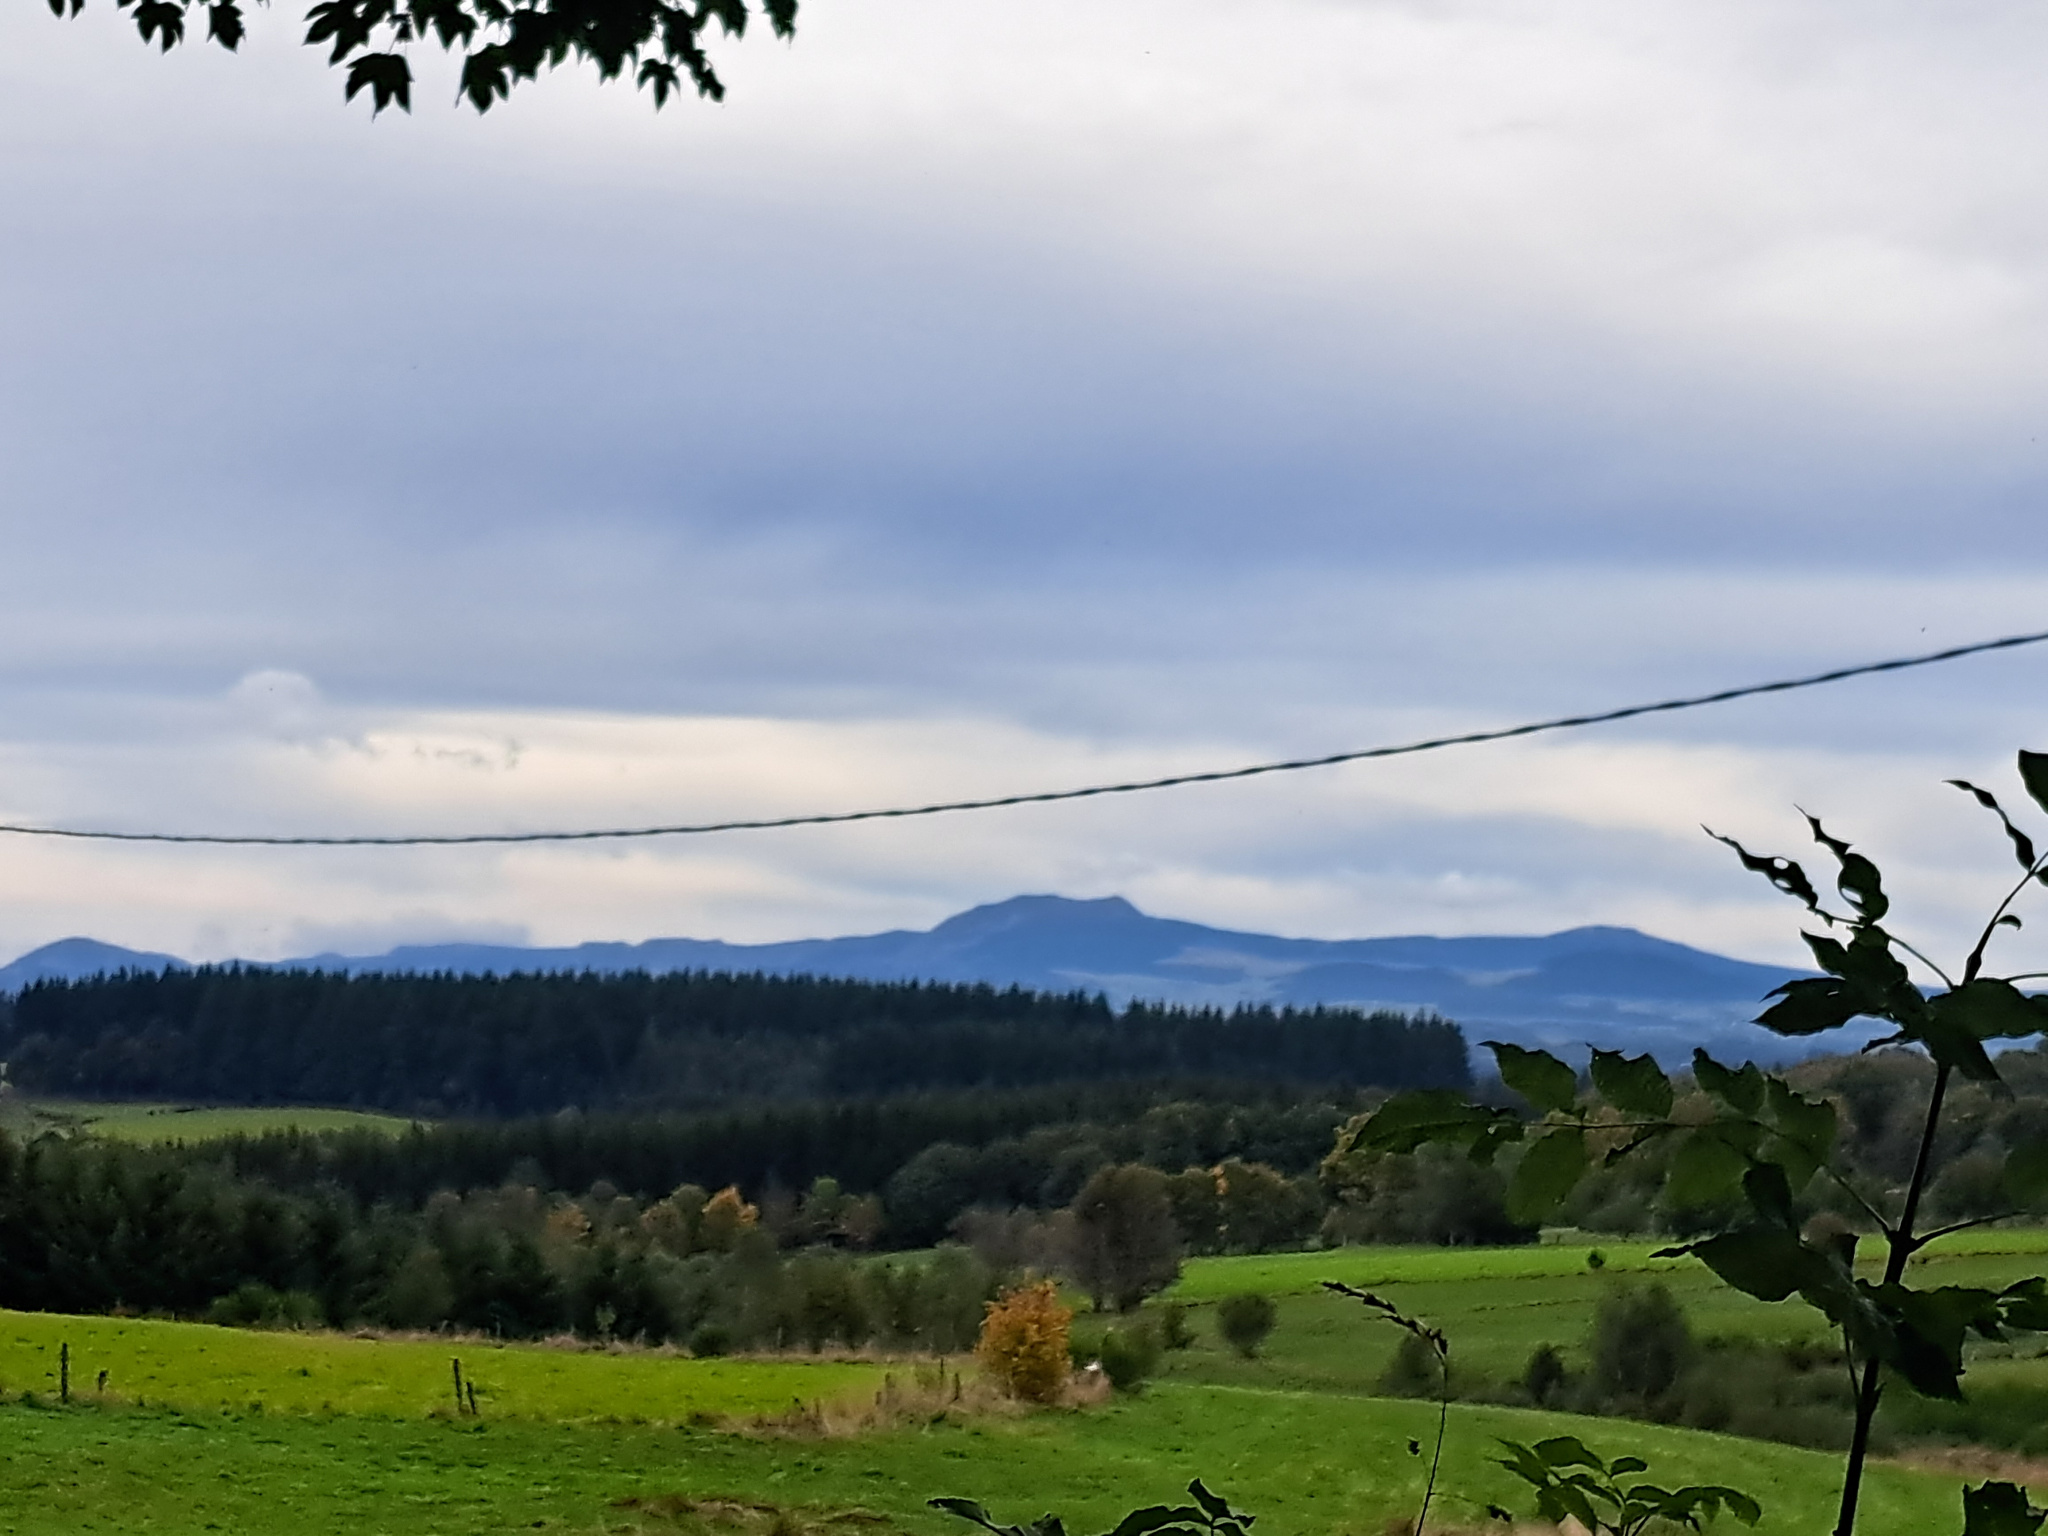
x: 204, y: 1369
x: 214, y: 1429
x: 158, y: 1123
x: 1304, y: 1462
x: 1498, y: 1304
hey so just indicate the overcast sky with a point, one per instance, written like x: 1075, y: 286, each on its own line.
x: 990, y: 398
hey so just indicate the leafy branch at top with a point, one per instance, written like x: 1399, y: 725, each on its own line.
x: 501, y: 43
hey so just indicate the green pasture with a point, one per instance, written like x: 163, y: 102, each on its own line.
x: 201, y: 1368
x: 1498, y: 1304
x: 155, y: 1123
x: 1306, y: 1465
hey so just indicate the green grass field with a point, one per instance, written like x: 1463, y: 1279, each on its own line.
x: 1308, y: 1465
x: 205, y: 1369
x: 206, y: 1429
x: 1499, y: 1304
x: 180, y: 1122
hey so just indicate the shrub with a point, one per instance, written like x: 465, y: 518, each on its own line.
x: 1544, y: 1375
x: 1128, y: 1352
x: 1641, y: 1345
x: 1175, y: 1331
x: 1024, y: 1339
x: 1413, y: 1372
x: 1245, y: 1321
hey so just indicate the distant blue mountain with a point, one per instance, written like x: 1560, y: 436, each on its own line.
x: 1613, y: 987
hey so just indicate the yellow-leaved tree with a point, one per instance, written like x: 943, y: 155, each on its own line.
x: 1023, y: 1342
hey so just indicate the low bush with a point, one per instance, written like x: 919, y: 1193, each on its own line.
x: 1245, y: 1321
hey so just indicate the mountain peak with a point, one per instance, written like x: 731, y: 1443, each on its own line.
x: 1601, y: 984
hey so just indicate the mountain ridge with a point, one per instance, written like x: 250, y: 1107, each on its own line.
x: 1602, y: 985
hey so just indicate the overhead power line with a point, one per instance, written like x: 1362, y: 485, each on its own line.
x: 1047, y: 796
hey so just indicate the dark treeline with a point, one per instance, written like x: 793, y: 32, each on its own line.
x: 90, y: 1226
x: 933, y: 1156
x: 522, y: 1045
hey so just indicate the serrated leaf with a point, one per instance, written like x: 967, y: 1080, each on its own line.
x: 1547, y: 1083
x: 1858, y: 879
x: 2034, y: 774
x: 1782, y: 873
x: 1549, y: 1169
x: 1742, y: 1090
x: 1636, y: 1085
x: 1214, y: 1507
x: 224, y: 24
x: 2022, y: 845
x: 1813, y: 1005
x: 387, y: 77
x: 1433, y: 1115
x: 1804, y: 1131
x: 1989, y: 1009
x: 1767, y: 1262
x: 2000, y: 1509
x: 1705, y: 1173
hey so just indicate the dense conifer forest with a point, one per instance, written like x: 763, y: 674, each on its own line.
x: 520, y: 1045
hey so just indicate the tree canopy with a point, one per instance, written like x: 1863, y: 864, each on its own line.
x: 501, y: 43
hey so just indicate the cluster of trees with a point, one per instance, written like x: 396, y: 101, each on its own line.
x: 519, y: 1045
x: 91, y: 1226
x: 933, y: 1156
x: 94, y: 1227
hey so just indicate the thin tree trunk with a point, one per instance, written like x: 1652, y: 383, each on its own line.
x: 1872, y: 1387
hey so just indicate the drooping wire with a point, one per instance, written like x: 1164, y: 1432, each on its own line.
x: 1046, y: 796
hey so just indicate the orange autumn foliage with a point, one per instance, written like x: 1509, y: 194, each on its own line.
x: 1023, y: 1342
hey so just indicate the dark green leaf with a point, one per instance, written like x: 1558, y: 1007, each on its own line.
x: 1212, y: 1506
x: 1930, y: 1327
x: 2024, y: 1305
x: 1434, y: 1115
x: 1742, y: 1091
x: 2000, y: 1509
x: 1636, y: 1085
x: 1568, y: 1451
x: 1783, y: 873
x: 1858, y: 879
x: 2034, y: 774
x: 1813, y: 1005
x: 967, y: 1509
x: 1769, y: 1193
x: 160, y: 21
x: 224, y: 24
x: 1989, y: 1010
x: 1705, y: 1173
x: 2022, y: 845
x: 1767, y: 1262
x: 1537, y: 1076
x: 1158, y: 1517
x: 1804, y: 1132
x: 1551, y: 1166
x: 386, y: 76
